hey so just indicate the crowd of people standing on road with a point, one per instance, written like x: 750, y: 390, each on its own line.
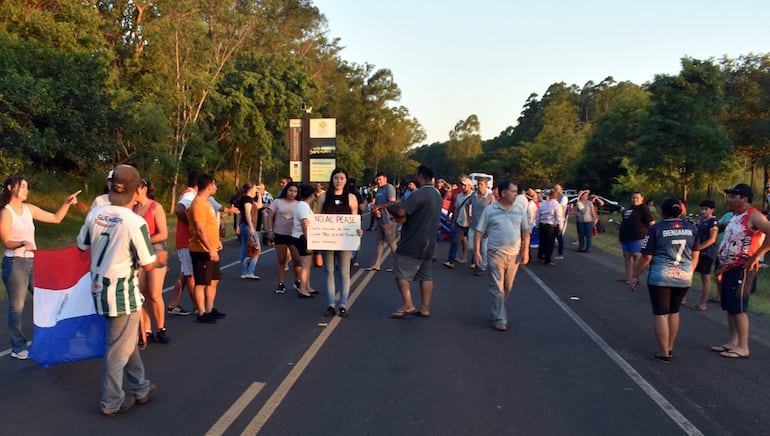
x: 490, y: 228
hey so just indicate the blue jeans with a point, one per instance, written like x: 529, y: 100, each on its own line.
x: 248, y: 265
x: 501, y: 271
x: 337, y: 265
x: 472, y: 235
x: 18, y: 279
x: 586, y: 231
x: 121, y: 356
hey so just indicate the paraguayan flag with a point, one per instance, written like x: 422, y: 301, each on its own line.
x: 67, y: 327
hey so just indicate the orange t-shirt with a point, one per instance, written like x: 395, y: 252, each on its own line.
x: 201, y: 211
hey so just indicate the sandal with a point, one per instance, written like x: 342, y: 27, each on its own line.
x: 401, y: 313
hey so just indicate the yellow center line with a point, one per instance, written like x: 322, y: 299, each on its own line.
x: 224, y: 422
x: 283, y: 389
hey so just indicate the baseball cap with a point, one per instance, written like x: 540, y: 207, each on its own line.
x: 742, y: 190
x: 125, y: 180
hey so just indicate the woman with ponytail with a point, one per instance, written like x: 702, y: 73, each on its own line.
x: 671, y: 250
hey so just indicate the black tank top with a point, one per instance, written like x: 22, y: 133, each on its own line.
x: 341, y: 205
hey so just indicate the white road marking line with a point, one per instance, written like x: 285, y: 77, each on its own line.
x: 224, y: 422
x: 651, y: 392
x: 283, y: 389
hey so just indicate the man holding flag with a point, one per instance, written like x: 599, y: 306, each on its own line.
x: 119, y: 241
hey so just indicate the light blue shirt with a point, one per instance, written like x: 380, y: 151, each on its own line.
x: 504, y: 227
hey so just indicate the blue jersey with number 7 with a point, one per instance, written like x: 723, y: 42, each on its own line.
x: 671, y: 244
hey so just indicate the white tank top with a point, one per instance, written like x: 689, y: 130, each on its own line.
x: 22, y: 229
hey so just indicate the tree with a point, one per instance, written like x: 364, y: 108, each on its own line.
x: 49, y: 115
x: 552, y: 156
x: 747, y: 89
x: 681, y: 144
x: 611, y: 138
x: 464, y: 144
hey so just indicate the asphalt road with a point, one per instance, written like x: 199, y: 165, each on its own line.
x: 576, y: 360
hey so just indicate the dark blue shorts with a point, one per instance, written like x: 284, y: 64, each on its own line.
x: 737, y: 284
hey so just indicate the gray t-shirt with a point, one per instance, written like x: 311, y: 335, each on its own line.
x: 383, y: 196
x: 418, y: 233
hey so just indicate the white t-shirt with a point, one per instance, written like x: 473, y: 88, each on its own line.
x: 301, y: 212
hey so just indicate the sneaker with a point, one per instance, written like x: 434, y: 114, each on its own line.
x: 501, y: 327
x: 330, y: 311
x: 128, y: 403
x: 296, y: 285
x: 21, y: 355
x: 460, y: 260
x: 479, y: 272
x: 206, y: 318
x: 250, y: 277
x: 559, y: 257
x: 148, y: 395
x: 343, y: 312
x: 162, y: 337
x: 280, y: 289
x: 150, y: 337
x: 217, y: 314
x: 178, y: 310
x: 448, y: 264
x: 472, y: 266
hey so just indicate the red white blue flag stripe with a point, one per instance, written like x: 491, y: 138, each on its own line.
x: 67, y: 327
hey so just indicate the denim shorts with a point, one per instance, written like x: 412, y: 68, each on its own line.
x: 634, y: 246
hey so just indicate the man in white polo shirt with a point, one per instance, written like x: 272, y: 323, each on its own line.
x: 507, y: 227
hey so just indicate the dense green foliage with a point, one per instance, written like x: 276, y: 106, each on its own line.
x: 174, y: 84
x: 700, y: 130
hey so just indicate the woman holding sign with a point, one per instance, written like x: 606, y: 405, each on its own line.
x: 338, y: 200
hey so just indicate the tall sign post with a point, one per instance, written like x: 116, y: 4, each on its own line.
x: 295, y: 149
x: 322, y: 150
x: 312, y: 149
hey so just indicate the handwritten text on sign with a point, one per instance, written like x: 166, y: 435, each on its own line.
x: 334, y: 232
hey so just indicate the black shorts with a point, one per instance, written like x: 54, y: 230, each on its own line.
x: 666, y: 300
x: 283, y: 239
x: 704, y: 265
x: 301, y: 244
x: 736, y: 286
x: 204, y: 270
x: 463, y: 230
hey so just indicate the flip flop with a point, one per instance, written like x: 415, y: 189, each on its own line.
x: 713, y: 300
x: 697, y: 308
x: 733, y: 355
x: 371, y: 268
x: 422, y: 315
x: 719, y: 349
x: 401, y: 313
x: 662, y: 359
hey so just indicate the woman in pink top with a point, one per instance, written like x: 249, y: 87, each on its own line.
x: 279, y: 226
x: 151, y: 282
x: 17, y: 232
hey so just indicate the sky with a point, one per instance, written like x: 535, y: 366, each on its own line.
x: 452, y: 59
